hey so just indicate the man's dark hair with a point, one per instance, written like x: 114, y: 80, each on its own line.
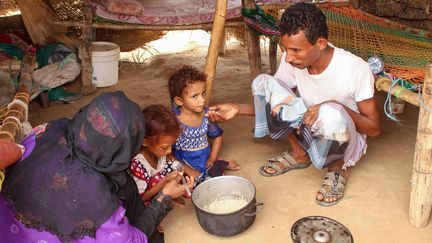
x: 304, y: 17
x: 181, y: 78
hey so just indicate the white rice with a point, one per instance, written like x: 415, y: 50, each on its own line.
x: 224, y: 205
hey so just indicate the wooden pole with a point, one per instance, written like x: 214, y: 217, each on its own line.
x: 215, y: 41
x: 273, y: 56
x: 222, y: 46
x: 87, y: 87
x: 421, y: 182
x: 11, y: 127
x: 253, y: 44
x: 401, y: 92
x: 125, y: 26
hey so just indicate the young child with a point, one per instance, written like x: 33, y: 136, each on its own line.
x: 187, y: 87
x: 153, y: 167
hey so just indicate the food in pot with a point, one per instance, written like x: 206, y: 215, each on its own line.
x: 225, y: 204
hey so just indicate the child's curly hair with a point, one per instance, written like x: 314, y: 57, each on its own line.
x: 160, y: 121
x: 182, y: 77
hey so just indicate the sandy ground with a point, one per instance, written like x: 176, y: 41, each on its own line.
x: 375, y: 206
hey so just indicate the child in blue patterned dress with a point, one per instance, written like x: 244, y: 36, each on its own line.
x: 187, y: 87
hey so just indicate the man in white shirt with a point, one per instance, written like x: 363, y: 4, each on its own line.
x: 338, y: 93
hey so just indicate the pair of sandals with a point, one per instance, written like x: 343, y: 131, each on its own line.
x: 333, y: 185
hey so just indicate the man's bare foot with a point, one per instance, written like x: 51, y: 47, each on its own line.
x: 232, y: 165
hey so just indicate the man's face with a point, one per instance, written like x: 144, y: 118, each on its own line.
x: 299, y: 52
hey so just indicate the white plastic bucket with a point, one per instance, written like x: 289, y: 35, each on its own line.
x: 105, y: 58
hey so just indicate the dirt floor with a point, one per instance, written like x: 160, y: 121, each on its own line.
x: 375, y: 206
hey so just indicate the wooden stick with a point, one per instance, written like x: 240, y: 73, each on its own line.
x: 87, y: 86
x: 421, y: 182
x: 11, y: 130
x: 273, y: 56
x: 126, y: 26
x: 253, y: 45
x: 402, y: 93
x: 215, y: 41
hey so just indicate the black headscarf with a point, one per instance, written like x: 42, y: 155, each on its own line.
x: 68, y: 184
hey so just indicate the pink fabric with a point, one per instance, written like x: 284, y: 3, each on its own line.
x: 177, y: 12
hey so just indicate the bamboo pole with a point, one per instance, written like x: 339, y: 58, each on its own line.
x: 215, y: 41
x: 401, y: 92
x: 253, y: 44
x: 421, y: 182
x: 87, y: 87
x: 126, y: 26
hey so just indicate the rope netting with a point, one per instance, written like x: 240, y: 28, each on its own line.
x: 405, y: 51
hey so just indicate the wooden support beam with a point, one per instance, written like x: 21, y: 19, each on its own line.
x: 16, y: 114
x: 215, y: 41
x: 87, y: 87
x: 401, y: 92
x: 273, y: 56
x: 253, y: 45
x: 125, y: 26
x: 421, y: 182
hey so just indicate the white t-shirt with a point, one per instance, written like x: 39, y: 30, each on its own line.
x: 347, y: 79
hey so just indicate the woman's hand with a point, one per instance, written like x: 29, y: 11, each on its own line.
x: 174, y: 189
x: 9, y: 153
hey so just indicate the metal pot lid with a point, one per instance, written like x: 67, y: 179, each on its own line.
x: 318, y: 229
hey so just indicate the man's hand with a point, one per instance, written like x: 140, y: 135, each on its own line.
x: 222, y: 112
x: 311, y: 115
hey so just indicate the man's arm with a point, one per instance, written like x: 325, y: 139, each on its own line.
x: 227, y: 111
x: 368, y: 120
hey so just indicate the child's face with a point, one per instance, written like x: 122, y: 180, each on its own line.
x: 160, y: 145
x: 193, y: 97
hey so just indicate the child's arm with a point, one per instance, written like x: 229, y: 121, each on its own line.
x: 190, y: 171
x: 217, y: 143
x: 153, y: 191
x: 184, y: 167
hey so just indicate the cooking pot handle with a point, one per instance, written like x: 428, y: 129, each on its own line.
x: 259, y: 207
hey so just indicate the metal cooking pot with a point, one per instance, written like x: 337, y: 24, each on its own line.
x: 231, y: 187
